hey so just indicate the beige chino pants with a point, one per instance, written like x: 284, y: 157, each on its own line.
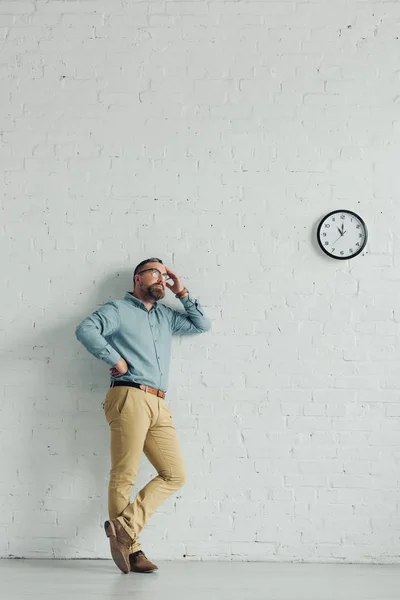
x: 140, y: 422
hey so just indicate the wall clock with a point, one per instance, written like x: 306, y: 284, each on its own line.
x: 342, y: 234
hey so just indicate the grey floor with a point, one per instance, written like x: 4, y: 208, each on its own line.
x: 100, y: 579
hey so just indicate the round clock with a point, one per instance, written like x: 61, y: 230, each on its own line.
x: 342, y: 234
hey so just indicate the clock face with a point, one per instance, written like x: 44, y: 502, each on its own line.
x: 342, y: 234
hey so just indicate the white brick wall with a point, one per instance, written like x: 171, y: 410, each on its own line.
x: 215, y: 134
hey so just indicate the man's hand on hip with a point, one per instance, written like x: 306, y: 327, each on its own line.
x: 120, y: 368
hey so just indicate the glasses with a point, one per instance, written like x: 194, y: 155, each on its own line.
x: 156, y: 274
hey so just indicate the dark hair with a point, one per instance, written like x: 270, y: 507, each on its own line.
x: 144, y: 262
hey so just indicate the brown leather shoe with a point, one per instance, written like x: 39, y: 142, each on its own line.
x: 120, y: 543
x: 140, y: 563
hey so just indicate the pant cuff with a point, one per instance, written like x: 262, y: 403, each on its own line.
x: 135, y: 547
x: 128, y: 531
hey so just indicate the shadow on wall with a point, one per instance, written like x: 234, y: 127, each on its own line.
x: 57, y: 438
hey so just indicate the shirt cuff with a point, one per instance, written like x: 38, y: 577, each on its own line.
x: 186, y: 299
x: 110, y: 356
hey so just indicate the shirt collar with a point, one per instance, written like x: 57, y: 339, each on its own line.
x: 131, y: 298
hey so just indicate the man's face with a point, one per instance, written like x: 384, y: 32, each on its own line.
x: 151, y: 280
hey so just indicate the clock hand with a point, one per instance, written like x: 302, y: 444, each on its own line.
x: 337, y: 240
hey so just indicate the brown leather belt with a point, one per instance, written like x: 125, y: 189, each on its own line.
x: 140, y: 386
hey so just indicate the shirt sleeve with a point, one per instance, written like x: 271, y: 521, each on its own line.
x: 93, y: 330
x: 193, y: 320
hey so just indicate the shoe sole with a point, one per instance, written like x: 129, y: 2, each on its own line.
x: 147, y: 571
x: 119, y: 559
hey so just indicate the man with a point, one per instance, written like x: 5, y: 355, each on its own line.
x: 133, y: 336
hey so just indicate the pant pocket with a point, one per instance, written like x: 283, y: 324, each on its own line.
x: 115, y: 402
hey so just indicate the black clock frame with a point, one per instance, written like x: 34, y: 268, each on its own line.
x: 349, y: 212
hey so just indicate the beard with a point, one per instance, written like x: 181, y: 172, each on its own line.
x: 155, y: 292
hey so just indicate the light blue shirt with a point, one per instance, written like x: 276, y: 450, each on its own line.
x: 126, y: 329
